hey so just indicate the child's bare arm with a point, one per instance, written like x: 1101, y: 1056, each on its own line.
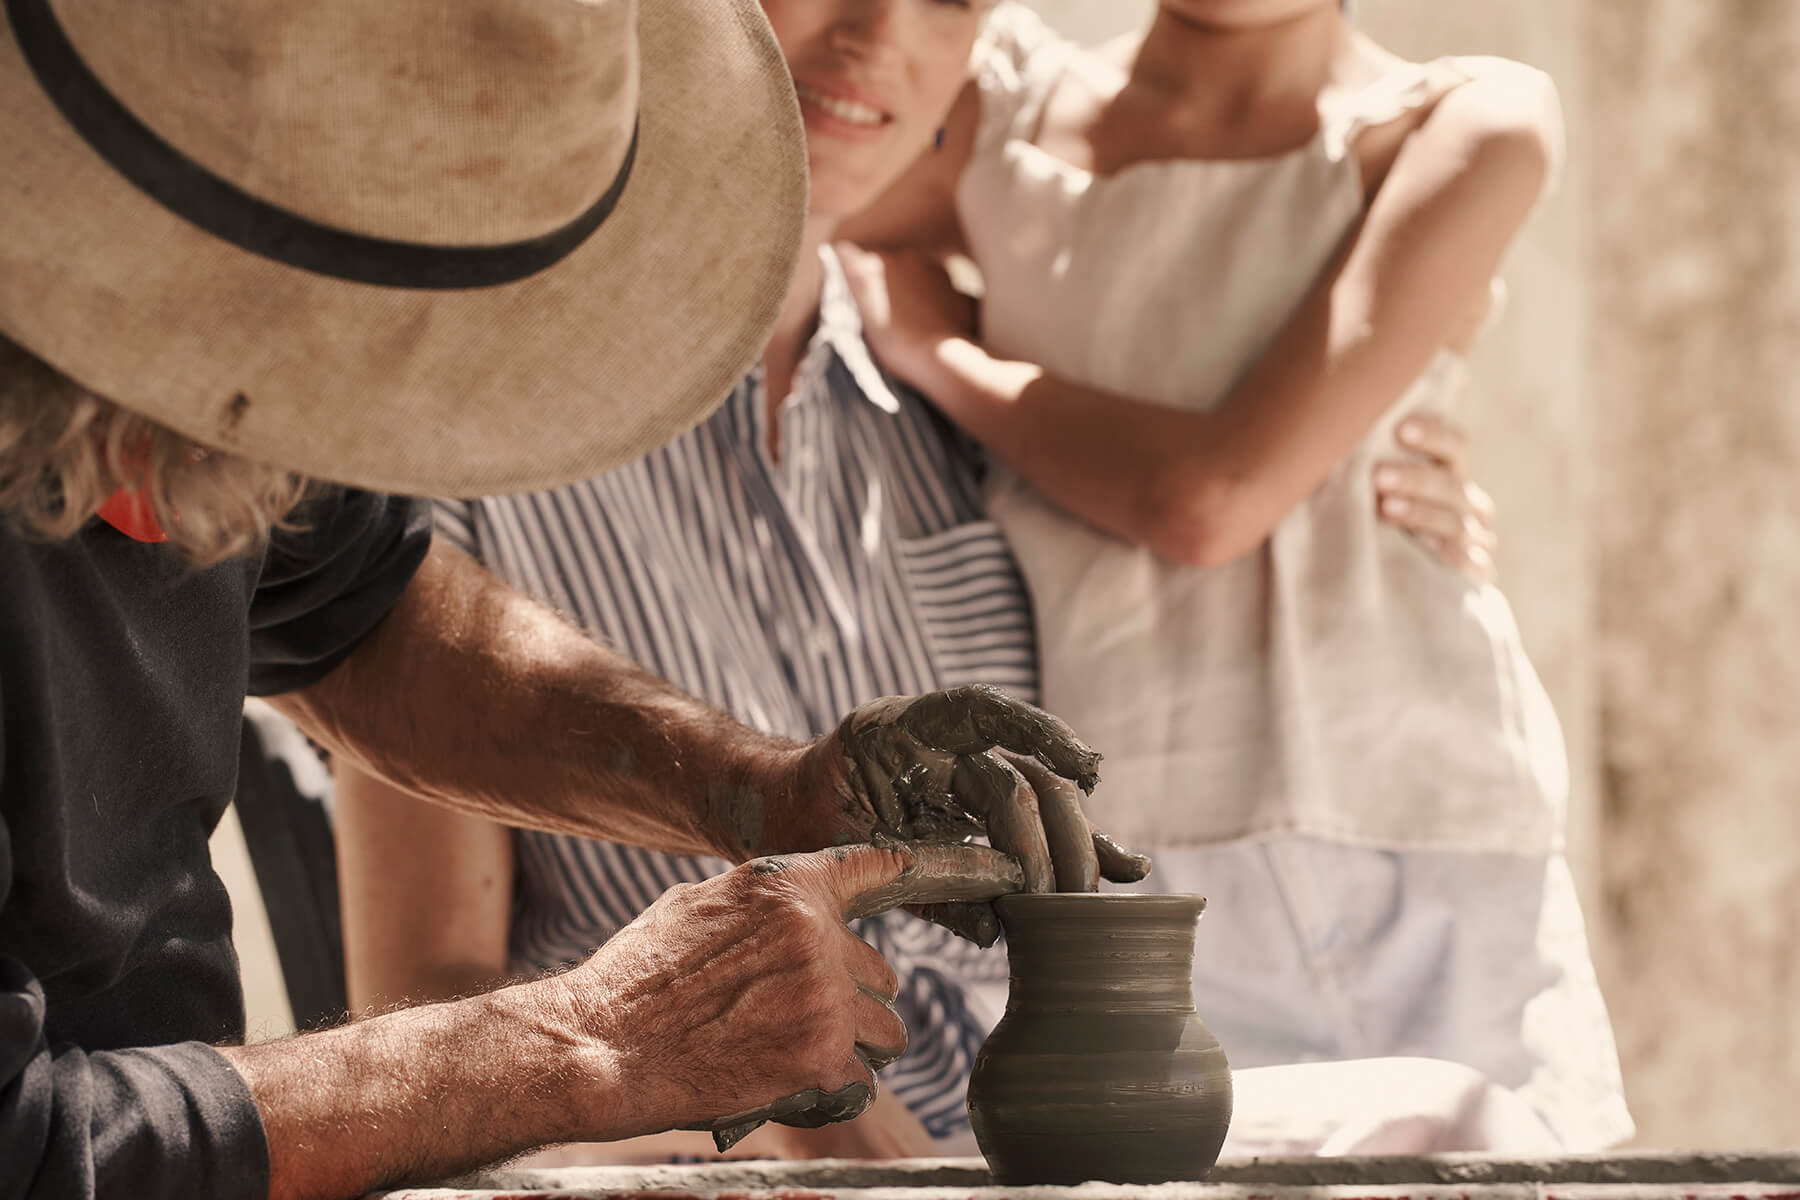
x: 1207, y: 487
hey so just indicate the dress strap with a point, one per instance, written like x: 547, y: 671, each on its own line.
x: 1017, y: 61
x: 1395, y: 94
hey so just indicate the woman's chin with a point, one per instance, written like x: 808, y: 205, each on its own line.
x: 838, y: 200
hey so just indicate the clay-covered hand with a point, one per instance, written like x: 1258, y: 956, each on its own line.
x: 740, y: 999
x: 950, y: 766
x: 1430, y: 495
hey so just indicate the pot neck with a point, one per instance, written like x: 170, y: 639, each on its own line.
x: 1130, y: 960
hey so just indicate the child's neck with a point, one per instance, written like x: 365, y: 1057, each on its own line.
x: 1227, y: 73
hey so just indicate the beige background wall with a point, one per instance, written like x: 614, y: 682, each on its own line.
x: 1695, y: 256
x: 1640, y: 423
x: 265, y: 996
x: 1638, y: 418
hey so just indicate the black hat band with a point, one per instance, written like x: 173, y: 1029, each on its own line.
x: 191, y: 192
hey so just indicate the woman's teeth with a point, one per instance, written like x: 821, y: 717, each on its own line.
x: 843, y: 110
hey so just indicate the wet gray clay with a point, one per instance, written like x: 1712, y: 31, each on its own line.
x: 1100, y: 1069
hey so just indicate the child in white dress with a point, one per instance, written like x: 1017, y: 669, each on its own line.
x: 1217, y: 275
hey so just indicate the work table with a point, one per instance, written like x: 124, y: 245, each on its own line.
x: 1441, y: 1177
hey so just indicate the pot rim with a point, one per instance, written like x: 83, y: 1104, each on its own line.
x: 1111, y: 905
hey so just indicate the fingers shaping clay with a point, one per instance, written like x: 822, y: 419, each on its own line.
x: 942, y: 873
x: 979, y: 717
x: 1119, y: 864
x: 1066, y: 832
x: 938, y: 874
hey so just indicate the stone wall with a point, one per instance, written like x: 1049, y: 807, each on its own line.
x: 1696, y: 270
x: 1649, y: 480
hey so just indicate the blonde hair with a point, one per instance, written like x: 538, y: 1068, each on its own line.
x: 64, y: 451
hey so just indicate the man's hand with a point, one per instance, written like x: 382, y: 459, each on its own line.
x: 741, y: 999
x: 1430, y: 495
x: 950, y: 766
x: 727, y: 1002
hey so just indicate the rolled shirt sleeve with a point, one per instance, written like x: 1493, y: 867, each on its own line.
x: 122, y: 677
x: 329, y: 581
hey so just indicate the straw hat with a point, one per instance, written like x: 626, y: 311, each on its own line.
x: 437, y: 248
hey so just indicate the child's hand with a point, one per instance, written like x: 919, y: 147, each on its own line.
x: 908, y: 305
x: 1430, y: 495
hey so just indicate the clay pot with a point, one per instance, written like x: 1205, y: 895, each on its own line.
x: 1100, y: 1068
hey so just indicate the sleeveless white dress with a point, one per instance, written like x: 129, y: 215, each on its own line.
x: 1337, y: 738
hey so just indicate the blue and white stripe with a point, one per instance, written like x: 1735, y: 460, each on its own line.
x: 857, y: 564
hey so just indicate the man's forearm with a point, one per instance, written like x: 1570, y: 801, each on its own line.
x: 422, y: 1093
x: 473, y: 695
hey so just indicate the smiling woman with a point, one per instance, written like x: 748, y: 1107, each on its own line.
x: 875, y: 78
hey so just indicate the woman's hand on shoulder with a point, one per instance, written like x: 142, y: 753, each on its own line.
x: 1428, y: 493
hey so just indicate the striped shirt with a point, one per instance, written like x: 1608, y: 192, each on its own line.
x: 859, y: 563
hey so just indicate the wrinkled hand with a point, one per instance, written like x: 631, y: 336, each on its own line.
x: 908, y: 304
x: 1431, y: 496
x: 743, y: 998
x: 951, y: 766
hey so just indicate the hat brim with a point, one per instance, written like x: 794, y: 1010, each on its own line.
x: 630, y: 340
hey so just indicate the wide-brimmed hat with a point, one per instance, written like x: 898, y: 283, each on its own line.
x: 452, y: 249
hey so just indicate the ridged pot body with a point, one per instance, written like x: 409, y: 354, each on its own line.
x: 1100, y: 1069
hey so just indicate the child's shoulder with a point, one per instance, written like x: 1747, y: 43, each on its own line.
x: 1020, y: 62
x: 1500, y: 81
x: 1504, y: 108
x: 1016, y: 44
x: 1503, y: 89
x: 1365, y: 62
x: 1467, y: 103
x: 1492, y: 69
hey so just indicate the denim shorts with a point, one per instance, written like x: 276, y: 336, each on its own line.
x: 1319, y: 951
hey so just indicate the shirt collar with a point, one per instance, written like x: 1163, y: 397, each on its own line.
x: 841, y: 331
x: 837, y: 334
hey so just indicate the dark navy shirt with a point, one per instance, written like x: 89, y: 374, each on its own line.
x: 123, y: 672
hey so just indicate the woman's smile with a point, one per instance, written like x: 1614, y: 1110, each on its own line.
x: 875, y: 79
x: 843, y: 105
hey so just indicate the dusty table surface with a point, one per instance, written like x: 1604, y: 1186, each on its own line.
x: 1439, y: 1177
